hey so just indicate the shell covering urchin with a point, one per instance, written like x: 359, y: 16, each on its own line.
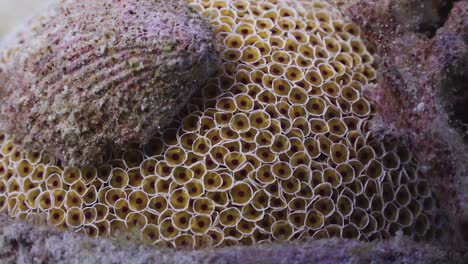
x: 95, y: 75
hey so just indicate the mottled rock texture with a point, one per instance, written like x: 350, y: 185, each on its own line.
x: 90, y: 76
x: 21, y: 243
x: 421, y: 48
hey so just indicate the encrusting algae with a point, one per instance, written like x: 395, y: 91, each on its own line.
x: 277, y: 147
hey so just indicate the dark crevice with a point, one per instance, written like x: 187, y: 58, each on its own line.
x: 429, y: 28
x: 459, y: 98
x: 460, y: 109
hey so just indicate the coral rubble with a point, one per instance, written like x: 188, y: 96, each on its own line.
x: 90, y: 77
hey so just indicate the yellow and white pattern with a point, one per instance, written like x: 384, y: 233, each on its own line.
x: 276, y: 147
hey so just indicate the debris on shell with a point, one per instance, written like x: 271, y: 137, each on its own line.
x: 92, y: 76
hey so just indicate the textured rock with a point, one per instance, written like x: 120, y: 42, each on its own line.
x: 91, y: 75
x: 22, y: 243
x: 422, y: 91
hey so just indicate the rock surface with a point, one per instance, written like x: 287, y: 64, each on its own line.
x: 21, y: 243
x: 90, y: 76
x: 421, y: 48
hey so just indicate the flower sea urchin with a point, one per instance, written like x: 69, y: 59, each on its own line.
x: 277, y: 147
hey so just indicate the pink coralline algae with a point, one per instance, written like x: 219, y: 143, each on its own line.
x: 93, y: 76
x: 421, y: 49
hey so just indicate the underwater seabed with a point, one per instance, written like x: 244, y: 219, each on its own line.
x: 279, y: 152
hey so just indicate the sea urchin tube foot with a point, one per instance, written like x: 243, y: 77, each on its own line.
x: 96, y: 75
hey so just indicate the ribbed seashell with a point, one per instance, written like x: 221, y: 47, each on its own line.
x: 92, y: 75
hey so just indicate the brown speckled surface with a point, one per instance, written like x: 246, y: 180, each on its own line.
x: 91, y: 76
